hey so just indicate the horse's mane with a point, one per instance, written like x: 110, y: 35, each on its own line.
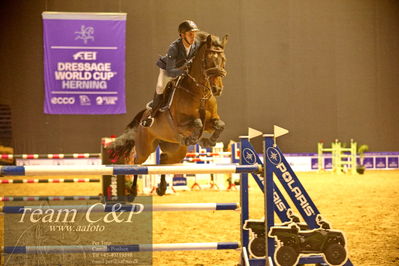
x: 202, y: 36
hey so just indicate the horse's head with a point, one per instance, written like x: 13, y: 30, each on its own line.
x: 214, y: 63
x: 207, y: 69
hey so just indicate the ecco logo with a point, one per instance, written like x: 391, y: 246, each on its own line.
x: 63, y: 100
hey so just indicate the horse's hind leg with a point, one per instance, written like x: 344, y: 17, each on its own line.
x: 132, y: 191
x: 141, y: 152
x: 172, y: 153
x: 218, y: 126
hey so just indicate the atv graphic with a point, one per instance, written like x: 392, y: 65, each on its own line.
x: 294, y: 239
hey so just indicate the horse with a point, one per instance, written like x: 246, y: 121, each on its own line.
x: 191, y: 118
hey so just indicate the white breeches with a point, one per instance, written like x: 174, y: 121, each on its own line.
x: 163, y: 79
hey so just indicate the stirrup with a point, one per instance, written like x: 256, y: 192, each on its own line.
x: 147, y: 122
x: 148, y: 106
x: 163, y: 108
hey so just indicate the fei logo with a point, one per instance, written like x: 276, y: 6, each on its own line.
x: 63, y: 100
x: 85, y: 34
x: 85, y: 55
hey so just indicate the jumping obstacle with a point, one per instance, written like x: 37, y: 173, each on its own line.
x: 100, y: 207
x: 51, y: 156
x: 119, y: 171
x: 44, y: 158
x: 207, y: 154
x: 114, y: 186
x: 118, y: 248
x: 49, y: 198
x: 275, y: 164
x: 46, y: 181
x: 115, y: 170
x: 196, y: 154
x: 341, y: 158
x: 40, y: 170
x: 216, y: 155
x: 274, y: 202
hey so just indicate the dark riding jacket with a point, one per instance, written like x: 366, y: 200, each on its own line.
x: 176, y: 57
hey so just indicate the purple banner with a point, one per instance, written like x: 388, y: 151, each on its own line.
x: 368, y: 162
x: 84, y: 63
x: 393, y: 162
x: 314, y: 163
x: 380, y: 162
x: 328, y: 163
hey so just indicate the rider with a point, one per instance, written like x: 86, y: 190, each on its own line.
x: 173, y: 64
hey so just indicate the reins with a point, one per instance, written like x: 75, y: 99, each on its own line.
x: 213, y: 71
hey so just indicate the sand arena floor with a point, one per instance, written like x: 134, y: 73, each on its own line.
x: 365, y: 207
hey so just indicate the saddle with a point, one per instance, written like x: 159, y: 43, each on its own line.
x: 167, y: 98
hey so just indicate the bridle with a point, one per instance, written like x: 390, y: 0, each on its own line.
x: 208, y: 73
x: 213, y: 71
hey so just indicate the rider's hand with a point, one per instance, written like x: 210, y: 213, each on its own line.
x: 185, y: 67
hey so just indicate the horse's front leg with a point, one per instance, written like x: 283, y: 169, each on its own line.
x: 218, y: 126
x: 132, y: 191
x: 173, y: 153
x: 197, y: 128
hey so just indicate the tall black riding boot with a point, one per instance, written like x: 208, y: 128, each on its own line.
x: 156, y: 104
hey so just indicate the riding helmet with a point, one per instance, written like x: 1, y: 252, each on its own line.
x: 187, y: 25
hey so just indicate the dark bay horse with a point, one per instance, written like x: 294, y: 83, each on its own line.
x: 192, y: 113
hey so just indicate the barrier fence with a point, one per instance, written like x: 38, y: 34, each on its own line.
x: 37, y: 181
x: 51, y: 156
x: 36, y: 170
x: 262, y: 247
x: 118, y: 207
x: 49, y: 198
x: 118, y: 248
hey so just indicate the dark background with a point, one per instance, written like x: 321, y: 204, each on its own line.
x: 322, y: 69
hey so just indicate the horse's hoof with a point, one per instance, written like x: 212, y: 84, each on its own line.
x: 131, y: 197
x: 191, y: 141
x: 207, y: 143
x: 133, y: 191
x: 160, y: 192
x: 161, y: 189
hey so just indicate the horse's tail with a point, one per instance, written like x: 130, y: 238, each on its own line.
x: 123, y: 145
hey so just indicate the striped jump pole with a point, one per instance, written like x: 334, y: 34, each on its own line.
x: 133, y: 207
x: 38, y: 170
x: 48, y: 198
x: 37, y: 181
x: 51, y: 156
x: 202, y: 159
x: 118, y: 248
x: 209, y: 154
